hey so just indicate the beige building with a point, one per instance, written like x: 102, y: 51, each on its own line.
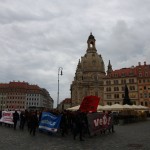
x: 137, y: 80
x: 143, y: 77
x: 114, y: 85
x: 89, y: 74
x: 22, y: 95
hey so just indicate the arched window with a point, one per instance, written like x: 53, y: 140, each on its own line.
x: 91, y: 45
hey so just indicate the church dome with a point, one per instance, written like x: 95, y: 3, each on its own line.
x: 92, y: 62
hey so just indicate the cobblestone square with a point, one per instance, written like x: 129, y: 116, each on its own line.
x: 135, y: 136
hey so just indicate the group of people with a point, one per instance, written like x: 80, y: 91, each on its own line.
x: 75, y: 123
x: 23, y: 118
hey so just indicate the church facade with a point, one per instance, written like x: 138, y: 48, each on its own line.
x: 89, y: 74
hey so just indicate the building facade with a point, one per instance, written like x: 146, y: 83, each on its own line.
x: 143, y: 78
x: 91, y: 79
x: 22, y: 95
x: 137, y: 80
x: 66, y: 103
x: 114, y: 85
x: 89, y: 74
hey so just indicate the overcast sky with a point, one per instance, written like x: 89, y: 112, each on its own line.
x: 39, y: 36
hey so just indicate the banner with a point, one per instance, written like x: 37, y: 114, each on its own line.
x: 89, y: 104
x: 98, y: 122
x: 7, y: 117
x: 49, y: 122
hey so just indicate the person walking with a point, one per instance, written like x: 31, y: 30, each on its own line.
x: 15, y: 119
x: 0, y: 116
x: 64, y: 124
x: 78, y: 125
x: 111, y: 128
x: 22, y: 120
x: 33, y: 123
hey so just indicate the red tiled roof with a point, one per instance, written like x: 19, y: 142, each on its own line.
x: 3, y: 85
x: 24, y: 85
x: 124, y: 72
x: 144, y: 70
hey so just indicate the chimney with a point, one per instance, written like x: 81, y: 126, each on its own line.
x: 139, y: 63
x: 144, y: 63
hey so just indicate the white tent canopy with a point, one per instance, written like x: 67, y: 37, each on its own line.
x: 126, y: 107
x: 117, y: 107
x: 74, y: 108
x: 114, y: 107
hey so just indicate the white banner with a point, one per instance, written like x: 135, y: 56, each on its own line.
x: 7, y: 117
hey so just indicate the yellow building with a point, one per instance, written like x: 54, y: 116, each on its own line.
x: 143, y: 76
x: 114, y: 85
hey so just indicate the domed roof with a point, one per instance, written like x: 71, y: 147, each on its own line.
x: 92, y: 62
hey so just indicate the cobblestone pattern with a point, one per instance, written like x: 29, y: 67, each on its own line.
x: 134, y: 136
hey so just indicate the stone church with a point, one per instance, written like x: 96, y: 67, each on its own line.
x: 89, y: 74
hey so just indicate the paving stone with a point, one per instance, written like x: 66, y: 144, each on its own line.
x: 135, y: 136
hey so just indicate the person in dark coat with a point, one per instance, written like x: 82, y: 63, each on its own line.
x: 40, y: 116
x: 22, y: 120
x: 78, y: 125
x: 64, y: 124
x: 111, y: 128
x: 0, y: 116
x: 33, y: 123
x: 15, y: 119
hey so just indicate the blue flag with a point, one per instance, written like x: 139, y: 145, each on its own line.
x: 49, y: 122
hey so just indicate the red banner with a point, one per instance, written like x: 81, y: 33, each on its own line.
x: 99, y: 122
x: 89, y: 104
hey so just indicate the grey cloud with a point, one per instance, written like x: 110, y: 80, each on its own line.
x: 37, y: 37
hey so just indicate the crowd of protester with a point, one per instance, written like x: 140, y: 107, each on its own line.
x: 74, y: 123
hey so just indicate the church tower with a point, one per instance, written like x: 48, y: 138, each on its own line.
x: 89, y: 74
x: 109, y: 68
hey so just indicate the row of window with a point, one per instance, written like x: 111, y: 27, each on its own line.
x: 117, y: 96
x: 33, y: 99
x: 22, y: 94
x: 144, y: 95
x: 108, y: 89
x: 130, y: 74
x: 123, y: 81
x: 15, y: 97
x: 35, y: 104
x: 19, y: 98
x: 14, y: 107
x: 143, y: 75
x: 144, y: 80
x: 33, y: 94
x: 19, y: 102
x: 144, y: 103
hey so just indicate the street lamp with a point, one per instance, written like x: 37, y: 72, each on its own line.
x: 59, y: 73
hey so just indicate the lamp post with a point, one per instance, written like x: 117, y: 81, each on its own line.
x: 59, y: 73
